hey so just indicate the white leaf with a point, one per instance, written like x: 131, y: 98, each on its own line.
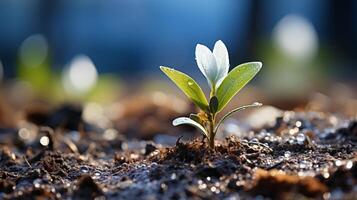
x: 188, y: 121
x: 220, y: 53
x: 207, y: 64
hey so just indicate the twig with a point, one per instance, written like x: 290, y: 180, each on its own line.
x: 27, y: 162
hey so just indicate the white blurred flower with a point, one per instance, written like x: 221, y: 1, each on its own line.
x: 80, y: 76
x: 297, y: 37
x: 214, y: 65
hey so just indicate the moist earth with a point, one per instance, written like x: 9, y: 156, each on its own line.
x: 303, y: 155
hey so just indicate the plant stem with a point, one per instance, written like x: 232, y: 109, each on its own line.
x: 211, y: 122
x: 213, y: 91
x: 211, y: 133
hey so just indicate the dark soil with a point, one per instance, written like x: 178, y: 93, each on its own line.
x: 303, y: 155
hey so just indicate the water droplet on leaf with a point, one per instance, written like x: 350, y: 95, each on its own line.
x: 257, y: 104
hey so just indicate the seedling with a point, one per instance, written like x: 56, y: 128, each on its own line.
x: 224, y: 86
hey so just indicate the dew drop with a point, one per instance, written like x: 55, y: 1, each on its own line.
x: 163, y: 186
x: 213, y: 189
x: 23, y: 133
x: 300, y: 138
x: 190, y: 83
x: 302, y: 165
x: 298, y: 124
x: 327, y: 195
x: 84, y: 169
x: 97, y: 175
x: 257, y: 104
x: 37, y: 183
x: 202, y: 186
x: 338, y: 163
x: 326, y: 175
x: 110, y: 134
x: 287, y: 154
x: 173, y: 176
x: 293, y: 131
x: 349, y: 164
x: 45, y: 141
x: 254, y: 140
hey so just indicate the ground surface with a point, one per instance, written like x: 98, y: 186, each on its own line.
x: 303, y: 155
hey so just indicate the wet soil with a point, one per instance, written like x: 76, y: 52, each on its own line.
x: 303, y: 155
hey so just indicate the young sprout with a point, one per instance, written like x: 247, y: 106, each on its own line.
x: 224, y: 86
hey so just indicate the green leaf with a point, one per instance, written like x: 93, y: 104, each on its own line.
x: 213, y: 104
x: 188, y: 86
x: 188, y: 121
x: 235, y: 81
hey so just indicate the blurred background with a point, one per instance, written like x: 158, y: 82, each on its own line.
x: 103, y: 51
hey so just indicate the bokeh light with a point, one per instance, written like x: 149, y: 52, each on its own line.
x: 45, y: 141
x: 80, y: 75
x: 296, y: 37
x: 33, y: 50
